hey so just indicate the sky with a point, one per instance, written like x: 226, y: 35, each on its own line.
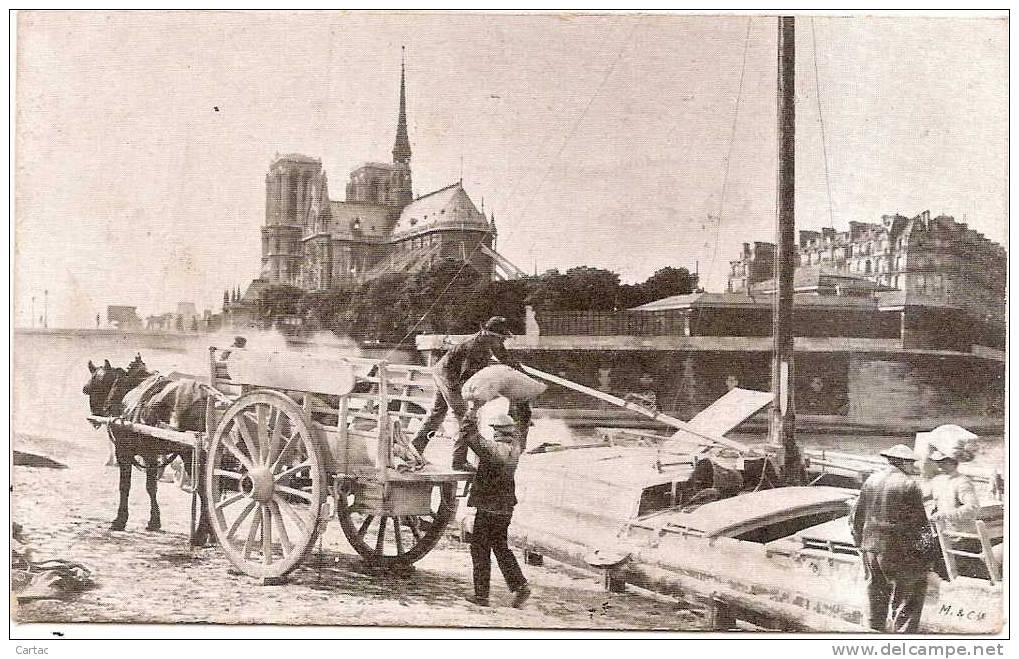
x: 595, y: 140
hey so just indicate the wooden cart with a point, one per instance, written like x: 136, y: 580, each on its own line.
x: 292, y: 440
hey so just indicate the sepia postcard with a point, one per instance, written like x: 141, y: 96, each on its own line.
x: 628, y: 322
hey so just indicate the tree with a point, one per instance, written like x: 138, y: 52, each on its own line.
x: 582, y: 288
x: 377, y: 310
x: 665, y: 282
x: 179, y: 325
x: 321, y: 309
x: 278, y: 301
x: 669, y: 281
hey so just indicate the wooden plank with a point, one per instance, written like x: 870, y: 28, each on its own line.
x: 424, y: 384
x: 619, y: 402
x: 993, y: 569
x: 185, y: 438
x: 385, y: 446
x: 446, y: 476
x: 417, y: 400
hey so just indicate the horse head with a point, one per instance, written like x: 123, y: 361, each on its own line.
x: 107, y: 384
x: 101, y: 381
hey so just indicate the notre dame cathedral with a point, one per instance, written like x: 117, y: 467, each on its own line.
x: 315, y: 243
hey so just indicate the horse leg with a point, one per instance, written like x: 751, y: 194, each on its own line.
x: 124, y: 463
x: 151, y: 486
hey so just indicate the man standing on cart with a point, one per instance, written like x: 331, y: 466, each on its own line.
x: 450, y: 372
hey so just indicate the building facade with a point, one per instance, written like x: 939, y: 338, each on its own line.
x: 122, y: 316
x: 935, y: 264
x: 313, y: 242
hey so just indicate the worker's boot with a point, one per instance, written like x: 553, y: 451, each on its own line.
x: 521, y: 596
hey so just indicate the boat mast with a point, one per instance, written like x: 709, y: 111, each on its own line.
x: 783, y: 426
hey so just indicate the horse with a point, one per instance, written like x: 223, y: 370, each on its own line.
x: 141, y: 396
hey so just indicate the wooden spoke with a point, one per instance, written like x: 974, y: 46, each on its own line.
x: 286, y: 447
x: 262, y: 428
x: 284, y: 536
x: 285, y: 506
x: 242, y: 423
x: 381, y: 539
x: 396, y: 532
x: 266, y: 534
x: 229, y: 474
x: 290, y: 471
x: 229, y: 500
x: 274, y: 439
x: 297, y: 493
x: 364, y: 525
x: 240, y: 519
x: 252, y: 533
x: 414, y: 529
x: 236, y: 451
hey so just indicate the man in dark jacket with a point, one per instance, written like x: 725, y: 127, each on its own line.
x: 493, y: 493
x: 890, y: 527
x: 450, y: 372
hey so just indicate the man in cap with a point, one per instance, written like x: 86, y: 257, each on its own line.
x: 493, y: 494
x: 890, y: 527
x: 450, y: 372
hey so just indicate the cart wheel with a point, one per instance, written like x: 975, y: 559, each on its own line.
x: 265, y: 484
x: 387, y: 540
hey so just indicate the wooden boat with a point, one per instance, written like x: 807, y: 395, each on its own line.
x: 780, y: 558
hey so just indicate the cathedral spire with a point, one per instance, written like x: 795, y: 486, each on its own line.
x: 401, y: 148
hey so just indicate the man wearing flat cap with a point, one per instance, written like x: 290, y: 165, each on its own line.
x: 451, y: 371
x: 890, y: 527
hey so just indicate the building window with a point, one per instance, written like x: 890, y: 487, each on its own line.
x: 866, y: 267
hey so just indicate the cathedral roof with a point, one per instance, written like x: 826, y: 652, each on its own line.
x: 355, y: 221
x: 446, y: 208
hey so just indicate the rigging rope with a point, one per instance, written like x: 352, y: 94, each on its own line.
x: 820, y: 119
x: 583, y: 113
x: 732, y: 142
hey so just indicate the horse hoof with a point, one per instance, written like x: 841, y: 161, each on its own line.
x: 118, y: 526
x: 153, y: 526
x: 204, y: 542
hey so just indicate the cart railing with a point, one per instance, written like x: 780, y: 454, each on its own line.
x: 358, y: 406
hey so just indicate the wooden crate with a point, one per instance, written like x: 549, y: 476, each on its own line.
x: 395, y: 499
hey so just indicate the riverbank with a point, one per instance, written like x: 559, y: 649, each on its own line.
x: 155, y: 577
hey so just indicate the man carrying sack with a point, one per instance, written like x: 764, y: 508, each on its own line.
x: 450, y: 373
x: 493, y: 494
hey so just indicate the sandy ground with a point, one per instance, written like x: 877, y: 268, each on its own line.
x: 156, y: 577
